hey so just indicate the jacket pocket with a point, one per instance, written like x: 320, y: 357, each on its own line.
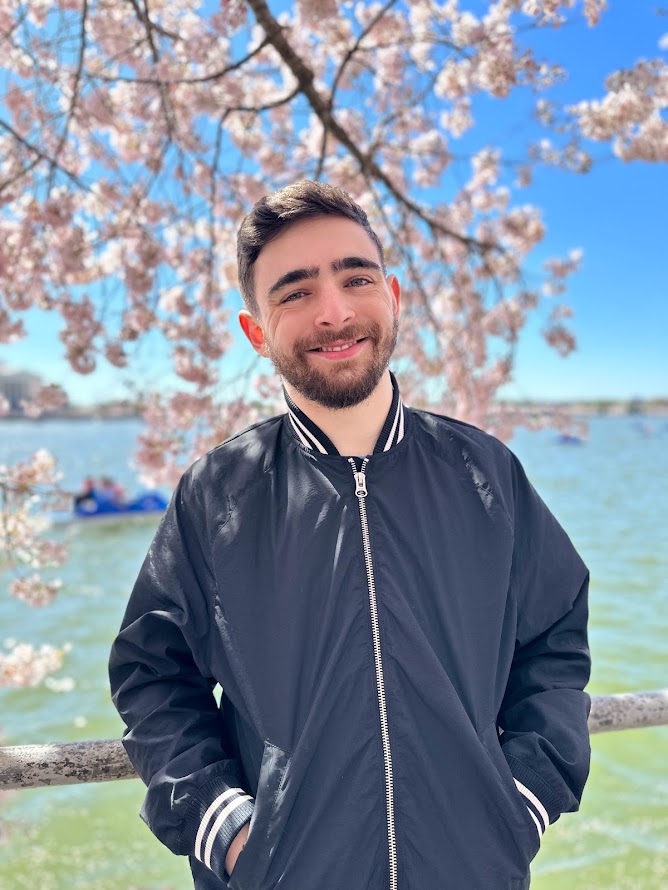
x: 267, y: 822
x: 526, y: 831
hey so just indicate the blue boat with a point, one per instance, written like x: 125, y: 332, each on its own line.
x: 90, y: 507
x: 569, y: 439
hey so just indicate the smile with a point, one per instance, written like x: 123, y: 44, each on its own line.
x: 339, y: 350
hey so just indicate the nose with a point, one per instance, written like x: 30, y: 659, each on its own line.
x: 334, y: 306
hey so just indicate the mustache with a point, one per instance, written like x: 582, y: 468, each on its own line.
x: 350, y: 333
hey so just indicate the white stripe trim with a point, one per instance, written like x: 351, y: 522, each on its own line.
x: 390, y: 438
x: 308, y: 433
x: 401, y: 423
x: 217, y: 825
x: 207, y: 816
x: 535, y: 819
x: 298, y: 432
x: 534, y: 800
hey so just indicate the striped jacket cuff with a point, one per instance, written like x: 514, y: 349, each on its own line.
x: 544, y: 801
x: 217, y: 822
x: 536, y: 809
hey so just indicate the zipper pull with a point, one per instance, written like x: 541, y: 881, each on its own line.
x: 360, y: 477
x: 360, y: 485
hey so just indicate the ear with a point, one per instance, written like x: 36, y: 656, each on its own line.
x: 253, y: 331
x: 395, y: 290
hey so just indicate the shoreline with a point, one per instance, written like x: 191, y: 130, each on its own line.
x: 584, y: 408
x: 574, y: 409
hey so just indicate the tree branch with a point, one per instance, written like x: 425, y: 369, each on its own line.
x: 339, y: 74
x: 75, y: 94
x: 40, y: 156
x: 368, y: 165
x: 211, y: 253
x: 23, y: 172
x: 149, y: 26
x: 205, y: 78
x: 275, y: 104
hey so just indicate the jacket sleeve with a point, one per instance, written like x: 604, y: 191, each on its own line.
x: 543, y: 717
x: 175, y: 737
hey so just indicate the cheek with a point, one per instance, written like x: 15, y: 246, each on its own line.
x: 283, y: 330
x: 385, y: 313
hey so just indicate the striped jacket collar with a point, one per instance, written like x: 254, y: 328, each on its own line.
x: 312, y: 437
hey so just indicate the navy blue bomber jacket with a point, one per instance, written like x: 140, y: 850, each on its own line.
x: 401, y: 645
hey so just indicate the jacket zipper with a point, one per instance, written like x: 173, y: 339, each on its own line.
x: 361, y: 492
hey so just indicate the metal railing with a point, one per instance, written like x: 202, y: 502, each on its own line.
x: 35, y: 766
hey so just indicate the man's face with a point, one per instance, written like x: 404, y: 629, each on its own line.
x: 320, y: 287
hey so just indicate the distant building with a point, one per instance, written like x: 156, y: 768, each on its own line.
x: 18, y: 386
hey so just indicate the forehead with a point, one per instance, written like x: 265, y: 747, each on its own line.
x: 311, y: 242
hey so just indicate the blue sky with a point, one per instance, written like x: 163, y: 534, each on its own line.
x: 617, y: 213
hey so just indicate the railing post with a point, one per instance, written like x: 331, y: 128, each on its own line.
x: 33, y: 766
x: 628, y: 710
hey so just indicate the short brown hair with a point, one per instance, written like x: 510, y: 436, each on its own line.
x: 274, y: 213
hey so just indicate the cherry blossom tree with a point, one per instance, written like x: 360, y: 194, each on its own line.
x: 135, y: 135
x: 27, y: 552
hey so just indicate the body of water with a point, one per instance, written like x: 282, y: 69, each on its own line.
x: 611, y: 494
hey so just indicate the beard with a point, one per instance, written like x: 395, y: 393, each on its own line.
x: 344, y: 383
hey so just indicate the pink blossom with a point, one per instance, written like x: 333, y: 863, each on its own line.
x: 26, y: 486
x: 313, y: 12
x: 560, y: 338
x: 10, y: 330
x: 25, y: 665
x: 593, y: 10
x: 47, y: 398
x: 34, y: 590
x: 126, y: 228
x: 631, y: 114
x: 187, y: 367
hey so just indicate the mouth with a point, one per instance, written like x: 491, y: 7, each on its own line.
x: 338, y: 347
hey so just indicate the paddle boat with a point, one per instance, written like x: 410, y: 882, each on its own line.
x: 569, y: 439
x: 90, y: 507
x: 104, y: 498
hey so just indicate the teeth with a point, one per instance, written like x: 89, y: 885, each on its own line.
x: 336, y: 348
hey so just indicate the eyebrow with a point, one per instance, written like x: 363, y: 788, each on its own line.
x: 347, y: 262
x: 354, y: 262
x: 293, y: 276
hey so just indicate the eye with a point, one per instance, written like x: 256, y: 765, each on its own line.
x: 359, y: 281
x: 295, y: 295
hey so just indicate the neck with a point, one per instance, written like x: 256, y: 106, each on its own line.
x: 354, y: 431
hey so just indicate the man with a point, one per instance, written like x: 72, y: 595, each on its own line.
x: 397, y: 622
